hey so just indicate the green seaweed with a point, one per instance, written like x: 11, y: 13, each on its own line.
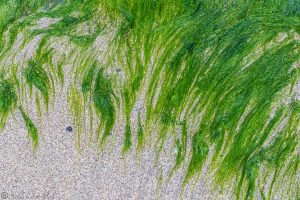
x: 31, y: 128
x: 102, y: 98
x: 140, y: 134
x: 225, y: 71
x: 127, y: 139
x: 86, y: 85
x: 199, y: 153
x: 36, y: 76
x: 8, y: 100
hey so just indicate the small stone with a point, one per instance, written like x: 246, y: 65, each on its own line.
x: 69, y: 129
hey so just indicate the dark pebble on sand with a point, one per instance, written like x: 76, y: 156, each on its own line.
x: 69, y: 129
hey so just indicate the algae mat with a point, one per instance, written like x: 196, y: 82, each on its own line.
x: 150, y: 99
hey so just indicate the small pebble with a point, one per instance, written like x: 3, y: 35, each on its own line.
x: 69, y: 129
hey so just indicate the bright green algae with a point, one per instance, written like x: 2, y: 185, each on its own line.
x: 36, y: 76
x: 32, y: 130
x: 102, y: 97
x: 225, y: 72
x: 8, y: 100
